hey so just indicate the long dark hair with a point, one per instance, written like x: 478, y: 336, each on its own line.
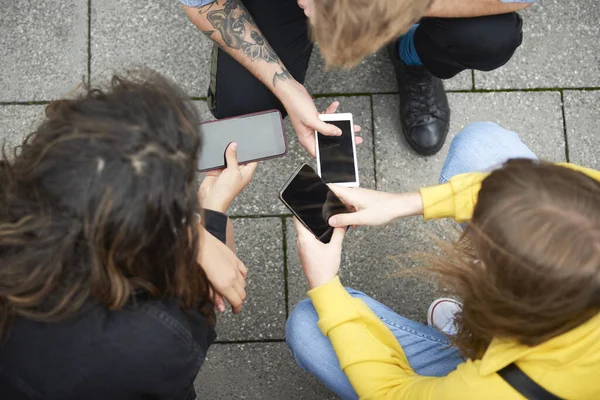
x: 99, y: 202
x: 528, y: 266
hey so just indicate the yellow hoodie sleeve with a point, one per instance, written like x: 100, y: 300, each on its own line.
x: 373, y: 360
x: 457, y: 198
x: 368, y: 352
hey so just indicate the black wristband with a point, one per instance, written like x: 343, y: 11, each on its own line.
x: 216, y: 224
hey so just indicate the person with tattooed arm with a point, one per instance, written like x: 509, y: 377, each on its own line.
x: 260, y: 61
x: 428, y: 40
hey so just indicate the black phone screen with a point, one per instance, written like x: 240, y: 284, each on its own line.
x: 313, y: 202
x: 336, y: 155
x: 258, y: 136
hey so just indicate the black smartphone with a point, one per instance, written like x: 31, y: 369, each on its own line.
x: 260, y: 136
x: 309, y: 198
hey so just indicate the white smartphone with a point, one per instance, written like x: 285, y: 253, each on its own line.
x: 336, y: 155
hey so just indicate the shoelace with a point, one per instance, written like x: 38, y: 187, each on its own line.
x: 421, y: 90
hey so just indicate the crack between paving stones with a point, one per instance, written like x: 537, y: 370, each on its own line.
x: 358, y: 94
x: 89, y: 44
x: 373, y: 143
x: 24, y: 103
x: 564, y: 120
x: 226, y: 342
x: 285, y: 267
x: 260, y: 216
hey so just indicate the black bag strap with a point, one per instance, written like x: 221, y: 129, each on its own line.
x: 523, y: 384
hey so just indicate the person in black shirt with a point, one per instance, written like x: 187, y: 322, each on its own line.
x: 105, y: 267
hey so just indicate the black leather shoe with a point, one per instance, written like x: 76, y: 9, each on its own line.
x: 424, y: 110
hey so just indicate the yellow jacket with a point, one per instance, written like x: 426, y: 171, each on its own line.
x: 567, y: 365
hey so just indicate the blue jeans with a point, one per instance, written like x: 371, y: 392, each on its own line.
x: 478, y: 147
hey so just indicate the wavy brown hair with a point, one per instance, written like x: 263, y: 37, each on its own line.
x: 349, y: 30
x: 99, y: 202
x: 528, y: 266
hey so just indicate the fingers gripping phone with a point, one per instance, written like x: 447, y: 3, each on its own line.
x: 309, y: 198
x: 260, y: 136
x: 336, y: 155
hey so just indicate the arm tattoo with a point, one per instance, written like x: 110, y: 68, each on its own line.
x: 284, y: 75
x: 206, y: 8
x: 259, y: 49
x: 233, y: 22
x: 208, y: 33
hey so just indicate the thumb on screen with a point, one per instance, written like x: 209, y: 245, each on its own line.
x: 348, y: 219
x: 231, y: 155
x: 328, y: 129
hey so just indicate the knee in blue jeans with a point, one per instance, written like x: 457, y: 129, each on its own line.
x: 301, y: 329
x: 482, y: 146
x: 478, y: 136
x: 313, y: 351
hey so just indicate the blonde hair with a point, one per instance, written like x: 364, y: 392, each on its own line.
x: 528, y: 266
x: 349, y: 30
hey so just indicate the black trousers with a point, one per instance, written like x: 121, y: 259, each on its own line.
x: 446, y: 47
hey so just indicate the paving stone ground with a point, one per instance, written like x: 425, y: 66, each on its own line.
x: 549, y: 93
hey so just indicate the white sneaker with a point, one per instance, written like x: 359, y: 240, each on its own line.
x: 441, y: 315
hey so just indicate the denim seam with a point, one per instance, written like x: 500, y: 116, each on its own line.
x: 414, y: 332
x: 172, y: 324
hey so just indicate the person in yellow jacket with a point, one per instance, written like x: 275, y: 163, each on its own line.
x: 527, y: 271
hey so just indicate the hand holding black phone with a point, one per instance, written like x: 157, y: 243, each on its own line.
x: 309, y: 198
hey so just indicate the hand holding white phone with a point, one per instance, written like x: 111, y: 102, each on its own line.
x: 336, y: 155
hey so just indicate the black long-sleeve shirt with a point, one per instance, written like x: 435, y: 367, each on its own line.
x: 150, y: 349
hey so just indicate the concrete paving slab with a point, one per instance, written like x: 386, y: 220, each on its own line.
x: 377, y: 261
x: 582, y: 115
x: 259, y: 245
x: 535, y: 116
x: 43, y: 49
x: 256, y: 371
x: 127, y: 33
x: 18, y: 121
x: 560, y: 49
x: 373, y: 75
x: 261, y: 197
x: 205, y: 114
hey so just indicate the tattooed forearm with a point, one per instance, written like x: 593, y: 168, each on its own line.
x: 206, y: 8
x: 239, y: 31
x: 208, y: 34
x: 260, y: 49
x: 281, y: 76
